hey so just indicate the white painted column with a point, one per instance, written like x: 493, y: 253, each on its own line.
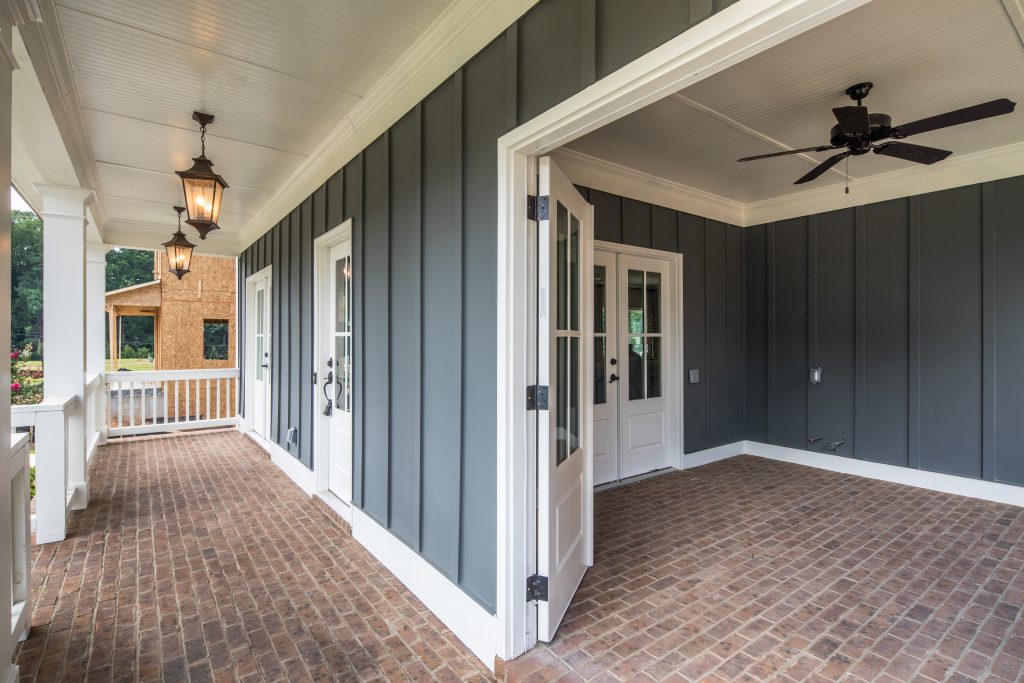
x: 96, y: 330
x: 64, y: 337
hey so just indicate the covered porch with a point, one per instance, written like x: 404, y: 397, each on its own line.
x: 198, y: 559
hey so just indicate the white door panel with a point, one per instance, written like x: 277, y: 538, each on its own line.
x: 564, y: 451
x: 336, y: 385
x: 261, y: 357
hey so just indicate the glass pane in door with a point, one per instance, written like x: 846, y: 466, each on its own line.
x: 574, y: 394
x: 342, y: 275
x: 600, y: 302
x: 561, y: 265
x: 653, y: 367
x: 653, y: 303
x: 636, y: 368
x: 574, y: 273
x: 600, y: 388
x: 635, y: 297
x: 561, y: 402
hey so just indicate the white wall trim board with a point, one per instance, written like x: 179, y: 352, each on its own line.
x: 923, y: 479
x: 738, y: 32
x: 462, y: 30
x: 957, y: 171
x: 710, y: 455
x: 286, y: 462
x: 470, y: 622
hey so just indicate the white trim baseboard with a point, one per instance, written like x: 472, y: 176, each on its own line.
x: 922, y: 479
x: 286, y: 462
x: 471, y: 623
x: 710, y: 455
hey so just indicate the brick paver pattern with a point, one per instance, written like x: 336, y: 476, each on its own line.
x: 197, y: 559
x: 751, y: 569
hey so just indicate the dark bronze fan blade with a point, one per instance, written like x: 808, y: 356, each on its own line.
x: 822, y: 167
x: 823, y: 148
x: 918, y: 153
x: 955, y: 118
x: 853, y: 120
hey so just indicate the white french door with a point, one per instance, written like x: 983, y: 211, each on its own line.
x: 336, y: 382
x: 564, y: 447
x: 260, y: 315
x: 633, y: 385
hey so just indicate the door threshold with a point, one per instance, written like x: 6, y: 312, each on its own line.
x: 630, y: 480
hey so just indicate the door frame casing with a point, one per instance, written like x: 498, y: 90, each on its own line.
x: 674, y: 411
x: 250, y: 360
x: 322, y: 245
x: 738, y: 32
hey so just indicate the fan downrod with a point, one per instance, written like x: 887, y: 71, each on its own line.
x: 859, y: 92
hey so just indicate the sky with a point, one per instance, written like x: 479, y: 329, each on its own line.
x: 17, y: 202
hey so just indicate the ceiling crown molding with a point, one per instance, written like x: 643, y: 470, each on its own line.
x: 45, y: 44
x: 462, y: 30
x: 627, y: 182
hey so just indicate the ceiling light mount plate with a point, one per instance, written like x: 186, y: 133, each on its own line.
x: 202, y: 119
x: 859, y: 91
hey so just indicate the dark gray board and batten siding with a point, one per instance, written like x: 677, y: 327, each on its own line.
x: 914, y: 308
x: 423, y: 199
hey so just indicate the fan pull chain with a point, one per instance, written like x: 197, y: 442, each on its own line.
x: 848, y: 170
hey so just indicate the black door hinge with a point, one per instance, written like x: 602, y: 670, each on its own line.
x: 537, y: 207
x: 537, y: 588
x: 536, y: 397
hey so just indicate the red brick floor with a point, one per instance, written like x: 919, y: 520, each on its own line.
x: 198, y: 560
x: 750, y: 569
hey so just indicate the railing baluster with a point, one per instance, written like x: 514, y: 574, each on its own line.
x: 120, y: 406
x: 131, y: 404
x: 176, y: 383
x: 142, y: 405
x: 188, y: 401
x: 206, y: 412
x: 218, y: 397
x: 163, y: 388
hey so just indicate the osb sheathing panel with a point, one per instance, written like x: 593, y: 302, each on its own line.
x: 207, y: 292
x: 148, y: 296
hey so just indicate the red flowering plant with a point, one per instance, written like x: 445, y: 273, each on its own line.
x: 26, y: 388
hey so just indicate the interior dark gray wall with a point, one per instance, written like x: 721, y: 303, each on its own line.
x: 713, y: 296
x: 423, y: 199
x: 914, y: 308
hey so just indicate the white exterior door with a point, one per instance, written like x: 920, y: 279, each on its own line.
x: 261, y: 357
x: 564, y: 468
x: 337, y: 382
x: 606, y: 369
x: 644, y: 443
x: 633, y: 386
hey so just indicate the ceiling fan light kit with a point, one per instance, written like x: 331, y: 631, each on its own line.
x: 859, y: 132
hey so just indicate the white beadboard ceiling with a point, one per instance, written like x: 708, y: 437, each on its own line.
x: 279, y: 76
x: 925, y: 57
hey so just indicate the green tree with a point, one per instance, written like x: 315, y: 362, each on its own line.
x: 26, y: 280
x: 127, y: 267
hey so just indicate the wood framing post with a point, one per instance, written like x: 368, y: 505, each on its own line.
x: 95, y: 323
x: 64, y: 317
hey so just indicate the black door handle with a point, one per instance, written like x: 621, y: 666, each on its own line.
x: 330, y: 403
x: 613, y: 378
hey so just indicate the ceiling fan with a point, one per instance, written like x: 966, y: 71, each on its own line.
x: 860, y: 132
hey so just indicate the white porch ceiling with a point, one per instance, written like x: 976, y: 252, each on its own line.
x: 278, y: 76
x: 925, y: 57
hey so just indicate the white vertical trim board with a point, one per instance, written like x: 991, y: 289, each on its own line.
x: 470, y: 622
x: 922, y: 479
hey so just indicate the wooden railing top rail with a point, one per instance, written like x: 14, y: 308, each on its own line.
x: 163, y: 375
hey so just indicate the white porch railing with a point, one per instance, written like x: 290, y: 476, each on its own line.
x: 54, y: 492
x: 169, y: 400
x: 21, y: 570
x: 95, y: 414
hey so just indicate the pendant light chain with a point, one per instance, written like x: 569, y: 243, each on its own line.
x: 202, y: 139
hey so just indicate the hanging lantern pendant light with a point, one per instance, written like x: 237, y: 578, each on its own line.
x: 179, y: 250
x: 203, y: 188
